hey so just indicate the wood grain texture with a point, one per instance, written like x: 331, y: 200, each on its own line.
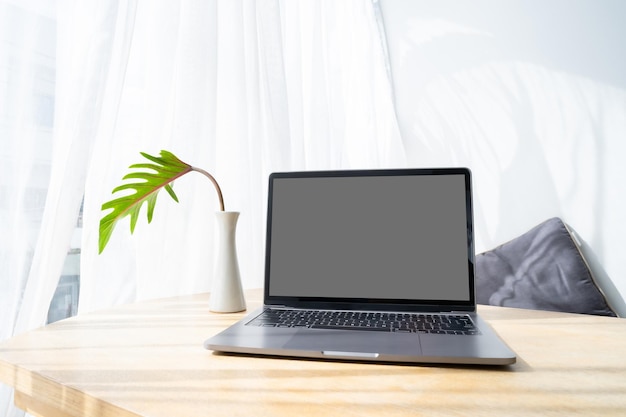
x: 147, y: 359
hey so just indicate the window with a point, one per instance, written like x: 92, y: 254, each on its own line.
x: 64, y: 303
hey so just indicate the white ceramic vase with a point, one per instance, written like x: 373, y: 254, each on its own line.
x: 226, y: 290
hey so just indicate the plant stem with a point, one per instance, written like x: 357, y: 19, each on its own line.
x: 217, y: 186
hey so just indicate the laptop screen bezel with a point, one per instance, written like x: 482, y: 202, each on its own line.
x: 373, y: 304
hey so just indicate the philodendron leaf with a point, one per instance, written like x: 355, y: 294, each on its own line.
x: 154, y: 176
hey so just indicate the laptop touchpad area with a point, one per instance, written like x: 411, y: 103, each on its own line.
x: 362, y: 343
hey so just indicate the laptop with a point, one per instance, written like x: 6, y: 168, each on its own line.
x: 369, y: 265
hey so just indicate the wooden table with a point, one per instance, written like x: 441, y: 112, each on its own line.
x: 147, y: 359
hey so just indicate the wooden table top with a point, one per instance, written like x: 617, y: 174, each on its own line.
x: 147, y: 359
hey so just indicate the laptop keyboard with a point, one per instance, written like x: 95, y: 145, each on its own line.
x: 455, y: 324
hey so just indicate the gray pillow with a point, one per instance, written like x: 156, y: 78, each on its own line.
x: 542, y: 269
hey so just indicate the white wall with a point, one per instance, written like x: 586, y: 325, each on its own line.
x: 531, y: 95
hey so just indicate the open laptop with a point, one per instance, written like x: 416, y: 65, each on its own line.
x: 369, y: 265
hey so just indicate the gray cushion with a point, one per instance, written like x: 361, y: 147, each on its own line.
x: 543, y: 270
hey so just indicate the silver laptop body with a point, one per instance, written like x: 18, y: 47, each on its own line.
x: 369, y: 265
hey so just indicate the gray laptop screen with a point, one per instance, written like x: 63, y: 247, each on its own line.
x: 369, y: 237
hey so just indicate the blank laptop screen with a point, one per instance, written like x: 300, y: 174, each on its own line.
x: 380, y: 237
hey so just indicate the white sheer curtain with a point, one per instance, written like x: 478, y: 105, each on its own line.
x: 239, y: 88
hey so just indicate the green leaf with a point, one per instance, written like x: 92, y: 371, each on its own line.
x: 148, y: 182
